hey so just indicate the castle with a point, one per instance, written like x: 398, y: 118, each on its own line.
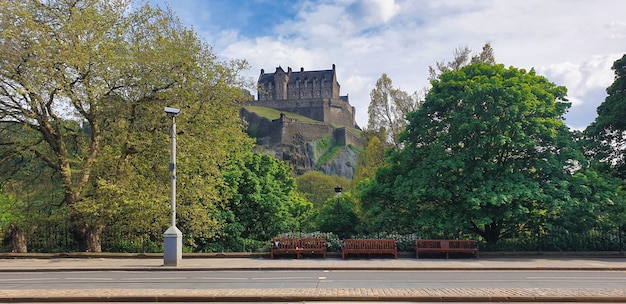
x: 314, y: 94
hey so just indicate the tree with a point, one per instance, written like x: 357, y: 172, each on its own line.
x: 91, y: 79
x: 388, y: 108
x: 369, y: 160
x: 487, y: 152
x: 317, y: 187
x: 608, y: 131
x: 33, y: 187
x: 461, y: 59
x: 339, y: 215
x: 264, y: 201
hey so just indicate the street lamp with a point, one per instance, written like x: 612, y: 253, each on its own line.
x: 338, y: 190
x: 172, y: 238
x: 338, y: 209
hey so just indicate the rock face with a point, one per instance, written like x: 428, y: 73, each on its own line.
x: 306, y: 145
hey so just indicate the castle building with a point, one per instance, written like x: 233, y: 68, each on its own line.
x: 314, y: 94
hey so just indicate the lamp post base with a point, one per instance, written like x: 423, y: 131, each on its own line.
x: 172, y: 246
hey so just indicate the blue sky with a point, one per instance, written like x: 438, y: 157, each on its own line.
x: 571, y: 42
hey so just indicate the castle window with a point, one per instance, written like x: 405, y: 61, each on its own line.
x: 298, y: 83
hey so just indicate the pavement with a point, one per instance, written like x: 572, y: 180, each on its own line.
x: 22, y: 263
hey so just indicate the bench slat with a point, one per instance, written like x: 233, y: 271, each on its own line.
x: 446, y: 246
x: 369, y: 246
x: 297, y: 246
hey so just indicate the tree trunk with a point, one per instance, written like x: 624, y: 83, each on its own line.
x: 90, y: 237
x: 492, y: 233
x: 18, y: 239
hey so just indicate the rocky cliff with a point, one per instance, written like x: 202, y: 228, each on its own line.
x: 305, y: 144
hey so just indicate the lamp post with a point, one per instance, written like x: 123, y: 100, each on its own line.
x: 338, y: 190
x: 172, y: 238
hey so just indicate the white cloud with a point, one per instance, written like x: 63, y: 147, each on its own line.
x: 572, y: 42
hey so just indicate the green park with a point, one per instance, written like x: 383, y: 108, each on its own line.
x: 482, y: 154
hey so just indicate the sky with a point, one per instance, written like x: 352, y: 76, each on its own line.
x: 571, y: 42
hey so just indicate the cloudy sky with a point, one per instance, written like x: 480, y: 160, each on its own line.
x: 572, y: 42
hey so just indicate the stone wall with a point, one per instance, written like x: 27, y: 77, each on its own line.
x: 323, y: 110
x: 288, y: 131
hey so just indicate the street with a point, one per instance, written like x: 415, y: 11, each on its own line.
x: 318, y: 279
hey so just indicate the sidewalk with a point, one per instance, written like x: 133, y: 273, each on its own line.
x: 8, y: 265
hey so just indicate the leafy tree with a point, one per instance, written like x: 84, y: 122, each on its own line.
x: 594, y: 202
x: 370, y: 160
x: 264, y: 201
x: 339, y: 215
x: 317, y: 187
x: 33, y: 188
x: 608, y: 131
x: 114, y: 70
x: 486, y: 152
x: 388, y: 108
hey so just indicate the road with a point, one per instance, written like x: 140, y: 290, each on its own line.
x: 310, y: 279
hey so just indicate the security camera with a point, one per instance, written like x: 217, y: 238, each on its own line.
x: 172, y: 111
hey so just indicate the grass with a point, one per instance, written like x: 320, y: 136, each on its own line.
x: 271, y: 114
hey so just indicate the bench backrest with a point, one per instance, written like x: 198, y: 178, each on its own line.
x: 313, y: 243
x: 446, y: 244
x: 285, y: 243
x: 369, y: 244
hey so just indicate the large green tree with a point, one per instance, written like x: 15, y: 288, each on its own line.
x: 264, y: 200
x: 487, y: 152
x: 608, y: 131
x: 91, y: 79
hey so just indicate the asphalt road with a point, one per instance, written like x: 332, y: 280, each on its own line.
x: 270, y: 279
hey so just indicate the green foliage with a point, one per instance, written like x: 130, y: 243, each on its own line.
x: 317, y: 187
x: 486, y: 153
x: 264, y: 201
x: 608, y: 131
x: 369, y: 160
x: 339, y: 215
x: 115, y: 78
x: 329, y: 155
x: 272, y: 114
x: 6, y: 213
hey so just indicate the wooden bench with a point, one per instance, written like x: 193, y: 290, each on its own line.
x: 313, y: 246
x: 297, y: 246
x: 446, y: 246
x: 369, y: 246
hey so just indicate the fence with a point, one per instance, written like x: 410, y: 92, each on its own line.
x: 55, y: 239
